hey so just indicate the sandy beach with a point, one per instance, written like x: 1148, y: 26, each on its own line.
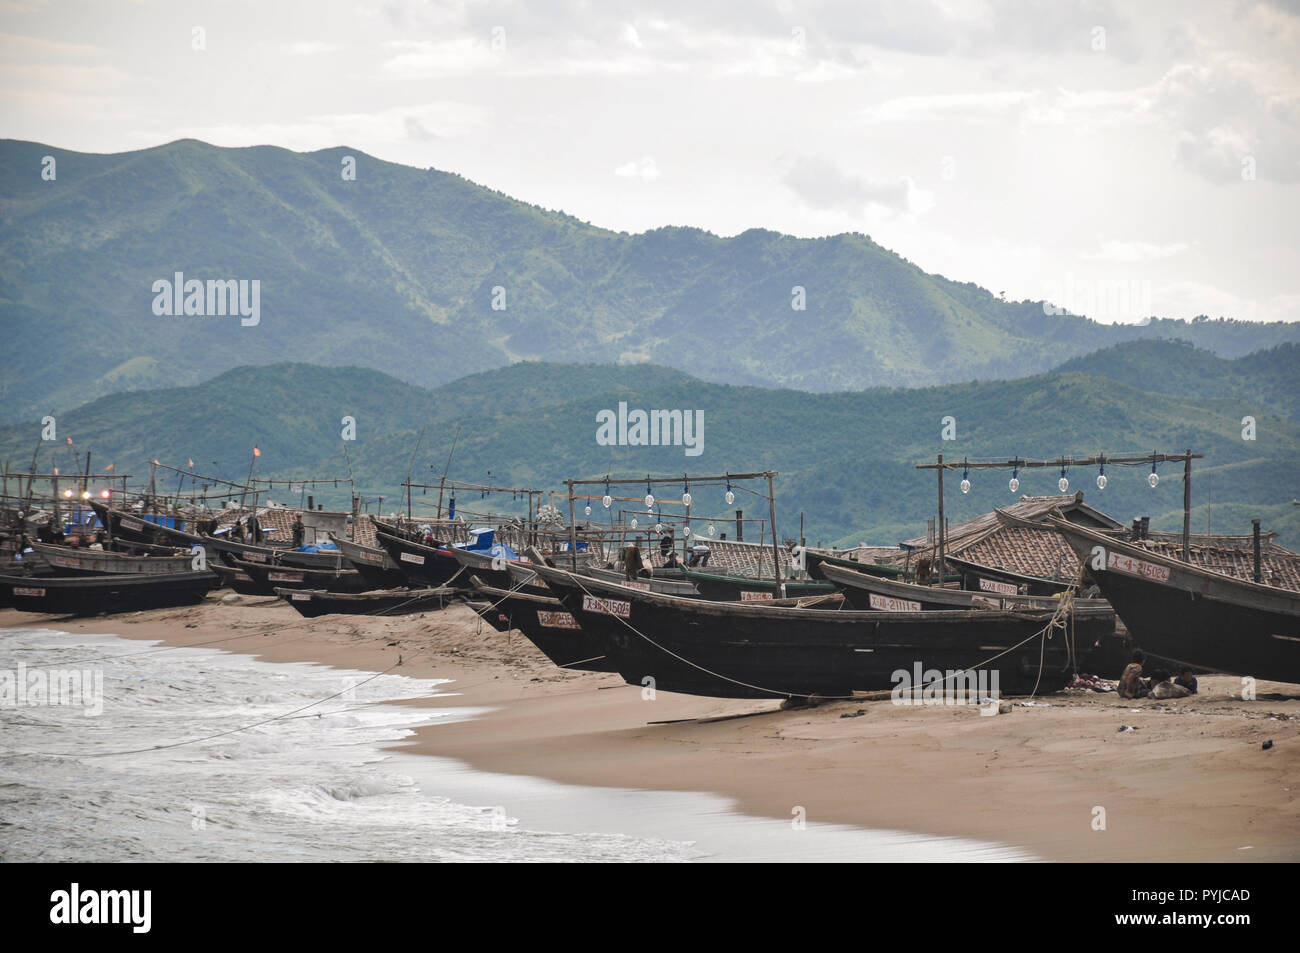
x: 1186, y: 780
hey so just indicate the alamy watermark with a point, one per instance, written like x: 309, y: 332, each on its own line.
x: 55, y: 687
x: 651, y: 428
x: 215, y: 297
x: 952, y: 687
x: 1097, y: 299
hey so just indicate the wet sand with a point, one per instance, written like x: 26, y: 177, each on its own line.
x: 1190, y: 782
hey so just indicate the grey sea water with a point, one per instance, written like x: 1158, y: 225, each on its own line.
x: 203, y: 755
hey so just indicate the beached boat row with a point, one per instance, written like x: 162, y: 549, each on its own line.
x: 833, y: 625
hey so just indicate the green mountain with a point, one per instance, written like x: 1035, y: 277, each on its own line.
x: 1269, y: 378
x: 846, y: 460
x: 398, y: 271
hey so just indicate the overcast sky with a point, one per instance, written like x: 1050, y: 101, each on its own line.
x: 1038, y: 149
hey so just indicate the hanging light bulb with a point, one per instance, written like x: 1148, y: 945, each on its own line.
x: 686, y: 531
x: 1101, y: 475
x: 965, y: 478
x: 649, y: 501
x: 659, y: 527
x: 587, y: 509
x: 731, y: 497
x: 1153, y: 478
x: 686, y: 492
x: 634, y: 524
x: 1063, y: 484
x: 607, y: 500
x: 712, y: 531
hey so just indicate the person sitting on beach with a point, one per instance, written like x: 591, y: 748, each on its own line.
x: 1167, y: 688
x: 1187, y: 680
x: 1130, y: 683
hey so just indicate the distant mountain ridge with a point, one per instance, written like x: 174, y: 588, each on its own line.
x: 427, y: 277
x: 846, y: 460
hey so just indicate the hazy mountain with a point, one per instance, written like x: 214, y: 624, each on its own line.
x: 396, y: 271
x: 847, y: 460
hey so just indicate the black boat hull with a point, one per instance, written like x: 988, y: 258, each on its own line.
x: 375, y: 565
x: 312, y: 603
x: 297, y: 577
x: 1194, y: 617
x: 423, y: 566
x: 545, y: 622
x: 718, y: 587
x: 96, y: 595
x: 753, y: 651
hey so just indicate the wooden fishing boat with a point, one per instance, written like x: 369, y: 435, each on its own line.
x: 95, y: 595
x: 267, y: 578
x: 237, y: 579
x: 981, y: 578
x: 70, y: 561
x: 423, y: 565
x: 545, y: 622
x: 721, y: 586
x: 317, y: 602
x: 752, y: 650
x: 874, y: 592
x: 374, y: 564
x: 813, y: 560
x: 1191, y: 615
x: 136, y: 528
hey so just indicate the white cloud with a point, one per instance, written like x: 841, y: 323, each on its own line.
x: 822, y: 185
x: 644, y: 169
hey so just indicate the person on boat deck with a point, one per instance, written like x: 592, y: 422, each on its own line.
x: 699, y: 555
x: 299, y: 531
x: 98, y: 544
x: 671, y: 561
x: 237, y: 531
x: 632, y: 564
x: 1130, y: 683
x: 254, y: 529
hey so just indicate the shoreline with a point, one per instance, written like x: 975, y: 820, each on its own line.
x: 1191, y: 783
